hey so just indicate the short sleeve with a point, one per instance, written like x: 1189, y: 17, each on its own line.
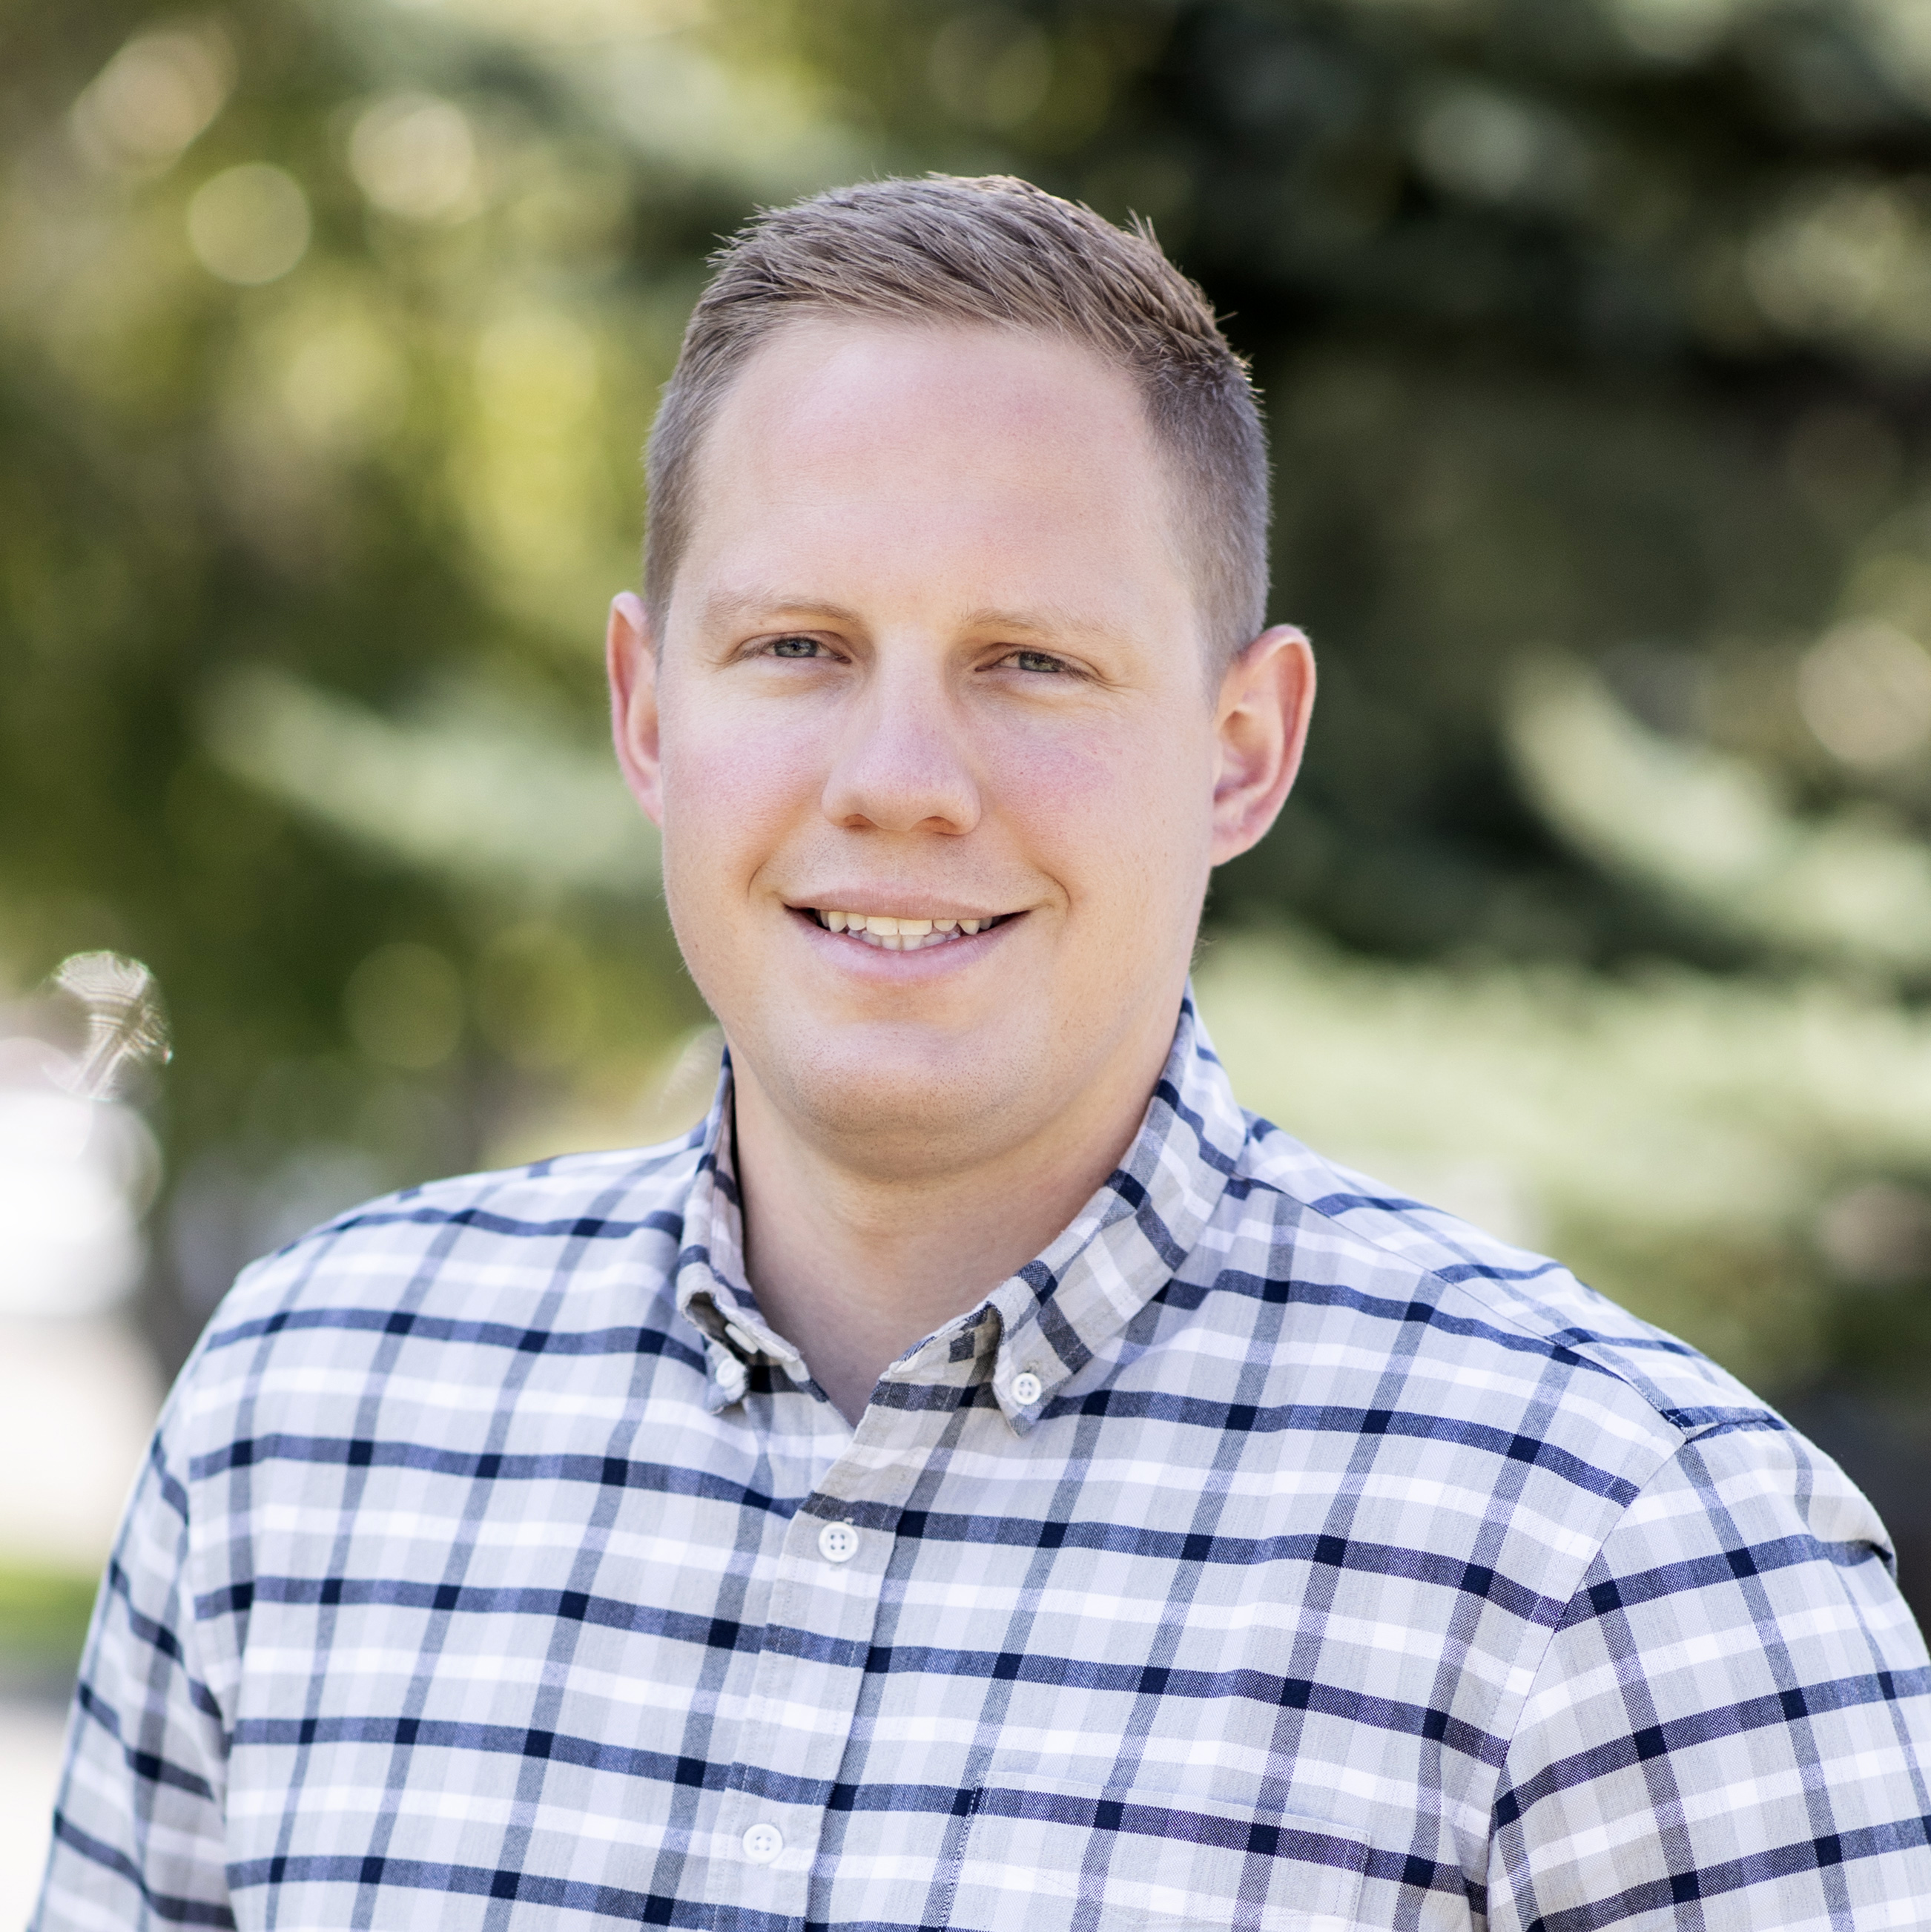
x: 138, y: 1820
x: 1731, y: 1726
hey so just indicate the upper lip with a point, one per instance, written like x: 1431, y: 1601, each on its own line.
x: 911, y: 905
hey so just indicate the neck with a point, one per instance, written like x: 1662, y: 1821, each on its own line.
x: 852, y: 1262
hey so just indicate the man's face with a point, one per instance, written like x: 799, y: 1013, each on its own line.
x: 934, y: 658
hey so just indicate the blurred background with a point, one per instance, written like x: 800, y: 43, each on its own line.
x: 1595, y: 336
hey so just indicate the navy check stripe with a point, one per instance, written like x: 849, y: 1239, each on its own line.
x: 548, y: 1605
x: 1325, y: 1551
x: 1260, y: 1687
x: 1385, y: 1308
x: 1682, y: 1735
x: 578, y: 1228
x: 1109, y: 1814
x: 1513, y: 1445
x: 475, y: 1334
x: 1778, y: 1866
x: 1757, y: 1559
x: 150, y: 1767
x: 366, y: 1452
x: 1201, y: 1142
x: 169, y: 1909
x: 615, y: 1903
x: 496, y: 1740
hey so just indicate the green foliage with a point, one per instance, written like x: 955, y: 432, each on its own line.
x: 44, y: 1615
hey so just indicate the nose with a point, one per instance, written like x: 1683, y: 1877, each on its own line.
x: 901, y: 762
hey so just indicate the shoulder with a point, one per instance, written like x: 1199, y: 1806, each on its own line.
x: 566, y: 1255
x: 1698, y: 1596
x: 1413, y: 1277
x: 1657, y: 1463
x: 512, y: 1230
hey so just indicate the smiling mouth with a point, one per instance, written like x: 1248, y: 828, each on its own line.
x: 892, y: 932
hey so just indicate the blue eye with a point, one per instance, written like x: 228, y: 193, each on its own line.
x: 1037, y: 660
x: 794, y: 647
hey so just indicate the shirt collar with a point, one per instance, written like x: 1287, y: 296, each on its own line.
x: 1046, y: 1322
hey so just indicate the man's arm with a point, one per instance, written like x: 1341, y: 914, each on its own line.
x: 138, y: 1837
x: 1731, y: 1726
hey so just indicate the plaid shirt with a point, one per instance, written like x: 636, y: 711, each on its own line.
x: 1269, y: 1553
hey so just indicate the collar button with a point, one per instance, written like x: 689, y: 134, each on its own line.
x: 1027, y: 1388
x: 837, y: 1543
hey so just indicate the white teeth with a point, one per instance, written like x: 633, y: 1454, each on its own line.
x: 893, y: 934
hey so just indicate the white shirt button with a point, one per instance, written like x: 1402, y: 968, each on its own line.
x: 744, y: 1338
x: 1027, y: 1388
x: 837, y: 1543
x: 762, y: 1842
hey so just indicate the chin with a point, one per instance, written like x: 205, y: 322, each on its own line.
x: 899, y: 1093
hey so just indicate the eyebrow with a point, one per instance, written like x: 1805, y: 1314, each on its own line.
x: 1047, y: 620
x: 726, y: 606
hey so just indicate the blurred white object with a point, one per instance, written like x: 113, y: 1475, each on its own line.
x: 127, y: 1027
x: 154, y: 98
x: 414, y: 155
x: 1865, y: 691
x: 78, y: 1401
x: 75, y: 1175
x: 250, y: 224
x: 77, y: 1166
x: 30, y: 1754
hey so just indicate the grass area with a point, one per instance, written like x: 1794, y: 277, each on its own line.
x: 44, y: 1613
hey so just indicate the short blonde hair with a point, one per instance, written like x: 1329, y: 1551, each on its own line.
x: 1000, y: 251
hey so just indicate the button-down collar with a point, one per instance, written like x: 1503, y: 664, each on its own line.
x: 1046, y: 1321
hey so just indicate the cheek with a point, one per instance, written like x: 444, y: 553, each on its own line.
x: 731, y: 790
x: 1113, y: 809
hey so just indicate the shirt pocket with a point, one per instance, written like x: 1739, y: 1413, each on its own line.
x: 1045, y: 1854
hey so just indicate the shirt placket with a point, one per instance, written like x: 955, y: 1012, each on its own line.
x: 830, y: 1574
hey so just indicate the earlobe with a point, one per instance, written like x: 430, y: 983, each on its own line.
x: 631, y: 658
x: 1261, y: 722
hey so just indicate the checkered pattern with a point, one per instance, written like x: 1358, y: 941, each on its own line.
x: 1345, y: 1569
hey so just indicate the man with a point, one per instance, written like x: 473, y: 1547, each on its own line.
x: 980, y: 1477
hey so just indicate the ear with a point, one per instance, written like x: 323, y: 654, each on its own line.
x: 632, y: 660
x: 1261, y: 723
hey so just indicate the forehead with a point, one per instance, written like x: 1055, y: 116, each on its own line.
x: 990, y: 464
